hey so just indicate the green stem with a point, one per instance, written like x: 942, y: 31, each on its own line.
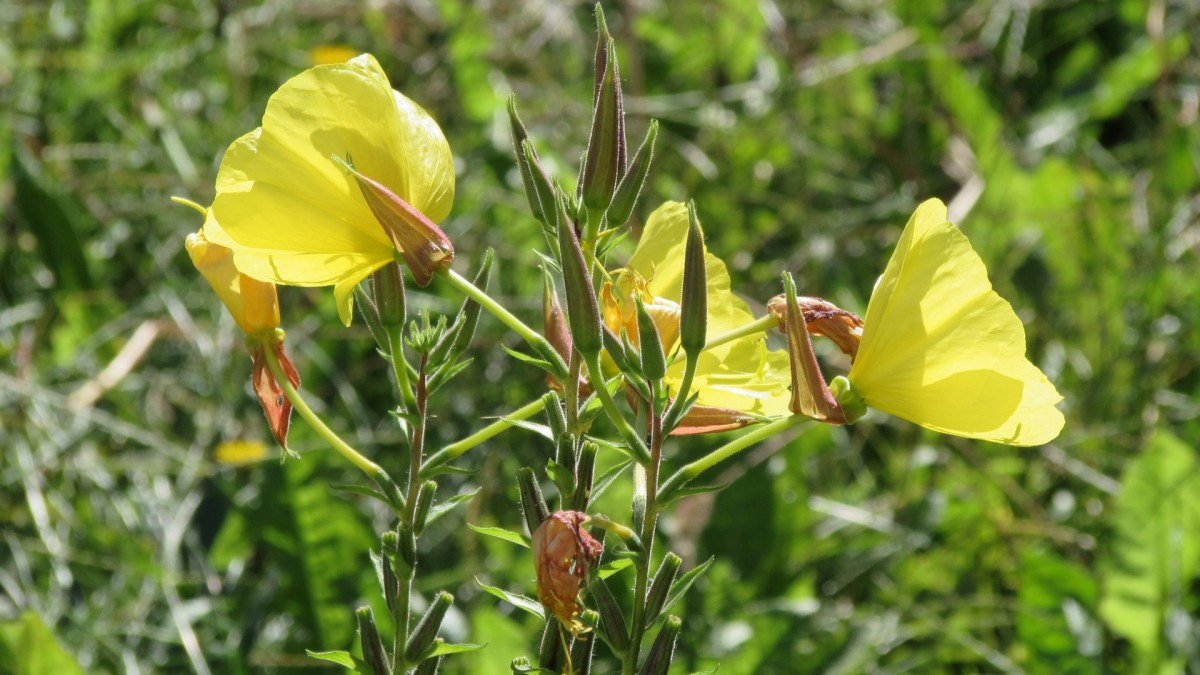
x: 647, y: 490
x: 694, y: 469
x: 685, y: 388
x: 343, y: 448
x: 631, y: 437
x: 757, y: 326
x: 417, y: 447
x: 539, y: 343
x: 396, y: 349
x: 456, y: 449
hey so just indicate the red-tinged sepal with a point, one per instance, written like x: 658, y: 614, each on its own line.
x: 810, y: 394
x: 275, y: 404
x: 421, y: 244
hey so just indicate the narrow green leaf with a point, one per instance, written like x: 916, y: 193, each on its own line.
x: 442, y: 509
x: 339, y: 657
x: 501, y: 533
x: 516, y: 600
x: 612, y: 567
x: 452, y: 648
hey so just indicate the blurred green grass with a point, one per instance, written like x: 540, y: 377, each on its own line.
x: 1063, y: 134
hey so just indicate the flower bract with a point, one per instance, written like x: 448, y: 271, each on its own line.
x: 941, y: 349
x: 292, y: 212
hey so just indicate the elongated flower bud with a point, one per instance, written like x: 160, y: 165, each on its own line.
x: 583, y: 314
x: 654, y: 362
x: 422, y: 637
x: 533, y: 504
x: 387, y: 285
x: 372, y: 647
x: 631, y: 184
x: 658, y: 661
x: 693, y: 320
x: 527, y: 163
x: 656, y: 597
x: 606, y: 153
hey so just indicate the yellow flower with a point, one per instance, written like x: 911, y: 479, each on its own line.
x: 294, y: 213
x: 741, y: 375
x: 253, y: 304
x: 941, y: 349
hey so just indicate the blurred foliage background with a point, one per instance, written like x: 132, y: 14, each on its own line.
x: 1062, y: 133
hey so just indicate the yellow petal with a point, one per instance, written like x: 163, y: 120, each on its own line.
x: 292, y: 214
x: 741, y: 375
x: 253, y: 304
x: 941, y: 349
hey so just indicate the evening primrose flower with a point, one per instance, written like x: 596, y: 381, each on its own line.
x: 942, y: 349
x: 254, y: 305
x: 343, y: 173
x: 738, y: 382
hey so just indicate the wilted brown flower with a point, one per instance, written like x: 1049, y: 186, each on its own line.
x: 563, y: 552
x: 824, y: 319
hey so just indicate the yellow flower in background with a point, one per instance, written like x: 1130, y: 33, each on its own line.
x: 331, y: 53
x: 293, y: 210
x: 253, y: 304
x: 941, y: 349
x: 741, y: 375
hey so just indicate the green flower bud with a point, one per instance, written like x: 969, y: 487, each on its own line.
x: 387, y: 285
x: 612, y: 621
x: 585, y: 472
x: 658, y: 661
x: 583, y: 313
x: 407, y: 545
x: 693, y: 306
x: 853, y: 407
x: 654, y: 362
x: 539, y: 189
x: 661, y: 586
x: 606, y: 151
x: 372, y: 646
x: 533, y: 504
x: 527, y: 161
x: 630, y: 187
x: 556, y: 417
x: 424, y: 503
x: 422, y: 637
